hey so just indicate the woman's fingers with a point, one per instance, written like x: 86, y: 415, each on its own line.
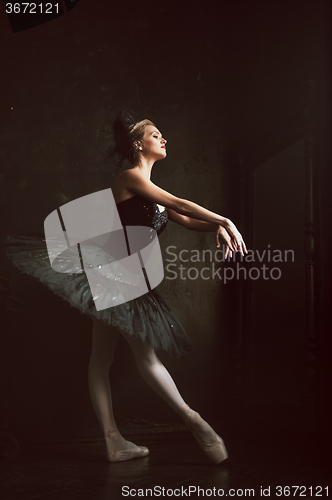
x: 240, y: 245
x: 233, y: 240
x: 230, y: 244
x: 228, y: 253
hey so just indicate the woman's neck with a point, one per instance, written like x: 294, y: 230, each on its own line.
x: 145, y: 167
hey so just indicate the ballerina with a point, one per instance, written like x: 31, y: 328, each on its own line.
x: 135, y: 194
x: 146, y: 322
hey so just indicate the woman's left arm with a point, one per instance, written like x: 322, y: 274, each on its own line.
x: 189, y: 223
x: 222, y: 235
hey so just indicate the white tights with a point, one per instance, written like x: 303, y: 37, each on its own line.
x: 104, y: 340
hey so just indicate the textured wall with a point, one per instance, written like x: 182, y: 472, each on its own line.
x: 67, y: 79
x: 204, y: 77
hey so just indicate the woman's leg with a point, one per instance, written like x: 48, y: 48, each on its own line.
x: 104, y: 340
x: 159, y: 379
x: 155, y: 374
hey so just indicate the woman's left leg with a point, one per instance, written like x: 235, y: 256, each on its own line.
x: 104, y: 340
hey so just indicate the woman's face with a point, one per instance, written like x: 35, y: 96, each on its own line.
x: 153, y: 144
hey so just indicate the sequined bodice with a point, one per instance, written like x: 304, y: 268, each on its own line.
x: 138, y: 211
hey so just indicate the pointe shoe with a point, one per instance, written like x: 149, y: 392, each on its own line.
x: 131, y: 451
x: 215, y: 451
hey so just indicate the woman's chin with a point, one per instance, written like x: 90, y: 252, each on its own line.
x: 161, y: 157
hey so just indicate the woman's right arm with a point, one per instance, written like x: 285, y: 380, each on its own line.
x: 138, y: 184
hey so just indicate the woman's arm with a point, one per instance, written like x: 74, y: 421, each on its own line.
x: 189, y: 223
x: 137, y: 183
x: 222, y: 236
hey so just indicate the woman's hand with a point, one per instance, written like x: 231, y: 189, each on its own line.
x: 230, y: 235
x: 236, y: 237
x: 224, y: 238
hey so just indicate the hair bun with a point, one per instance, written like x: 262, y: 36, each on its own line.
x: 125, y: 119
x: 122, y: 125
x: 126, y: 131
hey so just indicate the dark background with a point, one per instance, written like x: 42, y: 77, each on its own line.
x: 227, y: 84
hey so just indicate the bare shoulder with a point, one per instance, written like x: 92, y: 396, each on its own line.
x: 120, y: 188
x: 126, y: 176
x: 132, y: 182
x: 129, y: 179
x: 130, y: 174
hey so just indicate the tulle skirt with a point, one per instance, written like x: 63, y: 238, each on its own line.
x: 147, y: 317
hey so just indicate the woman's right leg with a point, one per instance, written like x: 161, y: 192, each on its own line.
x: 159, y: 379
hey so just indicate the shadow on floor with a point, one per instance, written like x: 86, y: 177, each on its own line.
x: 259, y: 466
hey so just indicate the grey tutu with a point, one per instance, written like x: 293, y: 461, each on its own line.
x: 147, y: 317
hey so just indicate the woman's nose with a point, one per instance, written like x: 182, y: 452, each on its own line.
x: 164, y: 140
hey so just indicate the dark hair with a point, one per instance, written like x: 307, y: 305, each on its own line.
x: 126, y: 131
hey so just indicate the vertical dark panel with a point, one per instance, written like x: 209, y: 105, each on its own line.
x: 310, y: 250
x: 278, y: 315
x: 241, y: 286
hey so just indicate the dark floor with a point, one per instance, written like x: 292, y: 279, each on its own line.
x: 68, y: 472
